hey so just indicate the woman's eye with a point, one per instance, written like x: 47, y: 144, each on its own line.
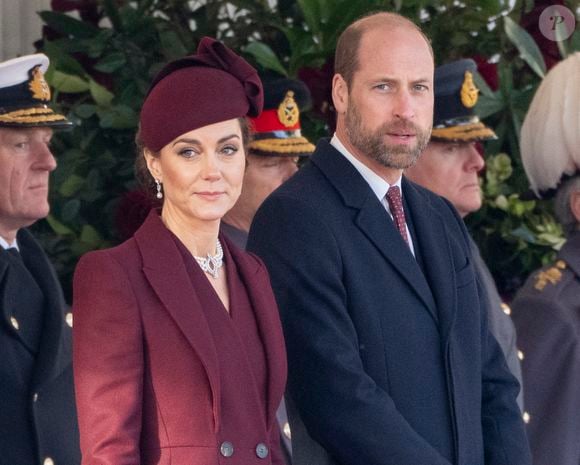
x: 187, y: 153
x: 229, y: 150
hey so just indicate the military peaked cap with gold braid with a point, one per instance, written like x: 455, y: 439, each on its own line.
x: 455, y: 98
x: 25, y: 95
x: 277, y: 130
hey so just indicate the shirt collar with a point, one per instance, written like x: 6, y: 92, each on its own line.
x: 378, y: 185
x: 5, y: 245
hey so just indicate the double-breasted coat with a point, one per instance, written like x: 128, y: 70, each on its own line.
x: 38, y: 422
x: 390, y: 358
x: 147, y: 374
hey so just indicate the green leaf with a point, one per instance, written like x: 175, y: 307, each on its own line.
x: 311, y: 11
x: 172, y: 45
x: 67, y: 25
x: 528, y: 49
x: 101, y: 95
x: 58, y: 227
x: 118, y: 117
x: 266, y: 57
x: 111, y: 63
x: 85, y: 110
x: 61, y: 60
x: 90, y: 235
x: 487, y: 106
x: 71, y: 185
x: 68, y: 83
x: 482, y: 85
x: 575, y: 41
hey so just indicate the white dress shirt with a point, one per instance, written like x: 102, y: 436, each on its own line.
x: 377, y: 184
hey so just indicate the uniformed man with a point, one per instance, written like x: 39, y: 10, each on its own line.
x: 37, y: 412
x: 449, y: 167
x: 276, y: 147
x: 546, y: 311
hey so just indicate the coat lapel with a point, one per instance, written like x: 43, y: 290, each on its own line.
x: 258, y: 286
x: 54, y: 354
x: 372, y: 219
x: 433, y: 240
x: 164, y: 269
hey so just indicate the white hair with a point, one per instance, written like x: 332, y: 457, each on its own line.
x: 550, y: 138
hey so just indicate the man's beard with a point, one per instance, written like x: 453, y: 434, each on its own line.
x: 371, y: 144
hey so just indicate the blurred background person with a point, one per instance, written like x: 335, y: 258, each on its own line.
x: 449, y: 166
x: 276, y: 147
x: 178, y: 350
x: 37, y: 411
x: 546, y: 311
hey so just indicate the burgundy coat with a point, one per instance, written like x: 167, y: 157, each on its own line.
x: 145, y: 364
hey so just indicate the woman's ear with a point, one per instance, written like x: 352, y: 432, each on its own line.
x: 153, y: 165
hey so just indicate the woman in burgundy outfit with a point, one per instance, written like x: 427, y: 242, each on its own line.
x: 178, y: 351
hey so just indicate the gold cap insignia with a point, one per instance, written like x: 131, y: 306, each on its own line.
x: 552, y: 275
x: 38, y: 86
x: 288, y: 113
x: 469, y: 92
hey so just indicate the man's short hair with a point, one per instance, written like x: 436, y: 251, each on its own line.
x: 346, y: 57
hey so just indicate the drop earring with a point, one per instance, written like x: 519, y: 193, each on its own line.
x: 159, y: 194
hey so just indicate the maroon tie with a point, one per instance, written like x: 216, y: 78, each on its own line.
x: 396, y: 206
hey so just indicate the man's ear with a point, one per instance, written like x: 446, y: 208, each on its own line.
x: 153, y: 165
x: 575, y: 204
x: 339, y: 94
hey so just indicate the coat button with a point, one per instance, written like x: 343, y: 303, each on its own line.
x: 286, y: 430
x: 35, y: 397
x: 69, y: 319
x: 227, y: 449
x: 48, y: 461
x: 262, y: 450
x: 15, y: 323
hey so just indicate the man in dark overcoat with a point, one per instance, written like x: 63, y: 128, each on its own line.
x: 37, y: 412
x: 390, y: 358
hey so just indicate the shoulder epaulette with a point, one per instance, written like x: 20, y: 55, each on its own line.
x: 551, y: 275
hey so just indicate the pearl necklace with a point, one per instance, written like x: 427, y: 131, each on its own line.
x: 212, y: 263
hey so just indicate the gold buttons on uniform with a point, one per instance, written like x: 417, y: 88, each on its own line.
x: 520, y: 355
x: 48, y: 461
x: 526, y: 417
x: 506, y: 308
x: 14, y: 322
x: 69, y: 319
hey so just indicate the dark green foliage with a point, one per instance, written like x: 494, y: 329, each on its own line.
x: 102, y: 66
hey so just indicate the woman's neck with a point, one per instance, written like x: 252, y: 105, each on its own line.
x: 198, y: 236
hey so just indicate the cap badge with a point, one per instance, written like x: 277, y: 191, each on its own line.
x: 38, y: 86
x: 288, y: 112
x: 469, y: 92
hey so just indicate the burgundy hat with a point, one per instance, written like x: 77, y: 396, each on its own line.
x: 211, y: 86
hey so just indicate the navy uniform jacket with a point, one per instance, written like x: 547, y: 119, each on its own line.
x: 37, y: 411
x: 389, y: 364
x: 546, y: 313
x: 500, y: 323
